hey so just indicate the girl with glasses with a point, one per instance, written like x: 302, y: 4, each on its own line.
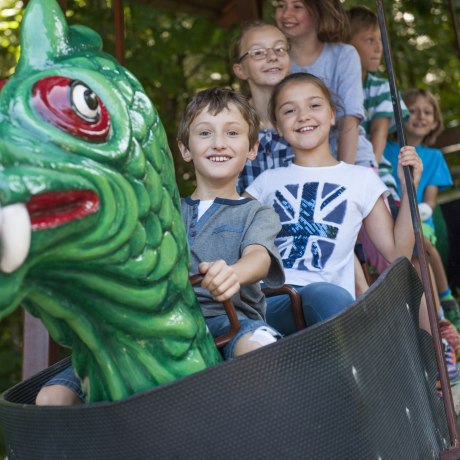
x: 261, y: 60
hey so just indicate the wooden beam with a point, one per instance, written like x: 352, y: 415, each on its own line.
x: 240, y: 11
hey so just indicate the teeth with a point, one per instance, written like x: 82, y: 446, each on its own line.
x: 15, y: 234
x: 218, y: 159
x: 306, y: 128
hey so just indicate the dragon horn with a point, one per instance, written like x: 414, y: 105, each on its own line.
x: 44, y: 34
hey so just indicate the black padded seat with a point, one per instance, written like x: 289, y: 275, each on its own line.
x: 358, y: 386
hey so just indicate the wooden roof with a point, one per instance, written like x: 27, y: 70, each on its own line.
x: 223, y: 12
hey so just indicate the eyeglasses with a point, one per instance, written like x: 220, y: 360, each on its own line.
x: 261, y: 53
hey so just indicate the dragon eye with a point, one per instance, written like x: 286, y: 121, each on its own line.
x: 71, y: 106
x: 85, y: 102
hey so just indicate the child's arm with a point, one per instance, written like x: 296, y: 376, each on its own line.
x: 348, y: 139
x: 378, y: 135
x: 430, y: 195
x: 395, y: 240
x: 224, y: 280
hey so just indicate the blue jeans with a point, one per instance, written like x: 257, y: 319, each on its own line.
x: 68, y: 379
x: 319, y: 301
x: 220, y: 325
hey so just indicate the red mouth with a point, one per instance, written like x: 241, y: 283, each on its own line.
x: 51, y: 209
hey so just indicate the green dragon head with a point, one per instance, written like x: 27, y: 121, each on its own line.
x: 92, y: 240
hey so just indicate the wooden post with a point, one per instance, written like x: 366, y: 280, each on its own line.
x: 39, y: 350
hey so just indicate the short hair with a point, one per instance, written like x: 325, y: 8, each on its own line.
x: 361, y: 18
x: 332, y: 20
x: 294, y: 77
x: 409, y: 98
x: 216, y: 100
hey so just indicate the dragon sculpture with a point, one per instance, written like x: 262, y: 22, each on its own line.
x: 92, y: 240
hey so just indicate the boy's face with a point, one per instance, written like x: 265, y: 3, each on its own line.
x: 218, y: 145
x: 368, y: 43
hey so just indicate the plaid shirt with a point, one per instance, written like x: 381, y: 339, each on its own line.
x: 273, y: 152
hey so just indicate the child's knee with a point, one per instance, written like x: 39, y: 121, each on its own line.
x: 256, y: 339
x: 57, y: 395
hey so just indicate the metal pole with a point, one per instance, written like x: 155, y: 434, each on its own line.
x: 453, y: 15
x: 426, y: 280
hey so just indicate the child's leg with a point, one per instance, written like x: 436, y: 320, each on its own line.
x: 319, y: 300
x: 443, y: 293
x: 437, y: 266
x: 253, y: 340
x: 64, y: 389
x: 361, y: 284
x: 57, y: 395
x: 252, y: 334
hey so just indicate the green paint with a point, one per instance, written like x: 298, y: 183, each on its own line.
x: 112, y: 285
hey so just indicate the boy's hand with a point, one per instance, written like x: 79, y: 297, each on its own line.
x: 220, y: 279
x: 408, y: 157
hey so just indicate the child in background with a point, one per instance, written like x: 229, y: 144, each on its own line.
x: 378, y: 122
x: 322, y: 204
x: 231, y: 238
x: 261, y: 60
x: 317, y: 30
x: 378, y: 107
x: 422, y: 128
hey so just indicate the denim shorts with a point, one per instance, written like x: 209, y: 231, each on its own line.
x: 68, y: 378
x: 220, y: 325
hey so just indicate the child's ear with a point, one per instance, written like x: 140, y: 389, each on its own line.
x: 333, y: 119
x: 185, y: 152
x: 239, y: 72
x: 253, y: 151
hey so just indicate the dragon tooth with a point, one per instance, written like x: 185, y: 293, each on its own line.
x: 15, y: 235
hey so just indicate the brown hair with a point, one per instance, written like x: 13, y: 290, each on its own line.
x: 332, y: 20
x: 409, y: 98
x: 361, y: 18
x: 215, y: 100
x: 299, y: 76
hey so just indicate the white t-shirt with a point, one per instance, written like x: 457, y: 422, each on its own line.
x: 321, y: 210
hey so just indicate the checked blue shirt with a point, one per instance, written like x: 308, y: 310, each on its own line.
x: 273, y: 152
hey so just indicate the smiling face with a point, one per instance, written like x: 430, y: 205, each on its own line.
x: 422, y: 121
x: 268, y: 71
x: 368, y: 43
x: 304, y: 117
x: 294, y: 19
x: 218, y: 146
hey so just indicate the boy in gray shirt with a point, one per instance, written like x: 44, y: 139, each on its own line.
x: 231, y: 238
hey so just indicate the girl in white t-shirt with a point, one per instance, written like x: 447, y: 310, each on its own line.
x: 322, y: 204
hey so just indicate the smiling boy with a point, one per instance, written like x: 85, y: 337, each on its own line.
x: 231, y: 238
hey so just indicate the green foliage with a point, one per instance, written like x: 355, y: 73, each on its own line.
x: 424, y: 51
x: 10, y: 17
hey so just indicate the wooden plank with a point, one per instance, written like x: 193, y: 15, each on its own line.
x: 39, y: 351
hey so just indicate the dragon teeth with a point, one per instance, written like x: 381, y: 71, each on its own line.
x: 15, y: 234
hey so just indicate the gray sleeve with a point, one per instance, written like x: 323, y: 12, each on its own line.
x: 263, y: 230
x: 349, y: 86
